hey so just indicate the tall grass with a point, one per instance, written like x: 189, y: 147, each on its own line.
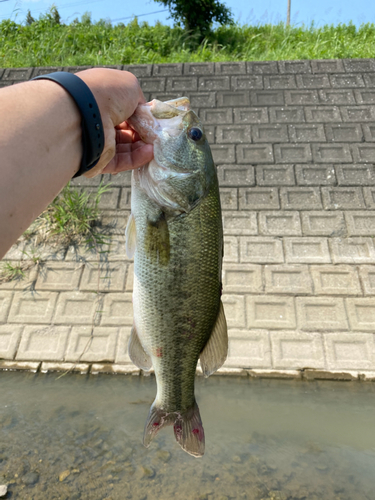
x: 71, y: 219
x: 46, y: 42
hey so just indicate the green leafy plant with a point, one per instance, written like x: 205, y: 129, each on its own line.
x: 29, y: 18
x: 16, y: 272
x: 198, y: 16
x: 13, y: 272
x: 72, y: 218
x: 45, y: 42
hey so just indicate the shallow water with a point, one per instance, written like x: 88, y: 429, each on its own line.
x: 79, y: 437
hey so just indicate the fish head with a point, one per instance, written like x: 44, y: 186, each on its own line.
x: 182, y: 170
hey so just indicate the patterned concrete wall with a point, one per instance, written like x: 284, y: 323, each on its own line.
x: 294, y: 145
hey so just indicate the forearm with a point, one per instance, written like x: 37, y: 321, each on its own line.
x: 41, y: 142
x: 40, y: 148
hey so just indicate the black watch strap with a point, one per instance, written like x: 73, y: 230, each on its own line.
x: 92, y: 126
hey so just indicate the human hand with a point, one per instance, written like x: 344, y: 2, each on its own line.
x: 117, y: 93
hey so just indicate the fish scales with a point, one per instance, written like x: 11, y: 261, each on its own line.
x: 182, y: 298
x: 175, y: 232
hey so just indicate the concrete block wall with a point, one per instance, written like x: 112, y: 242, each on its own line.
x: 294, y: 145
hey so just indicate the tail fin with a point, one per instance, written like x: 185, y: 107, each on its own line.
x: 157, y: 418
x: 187, y: 426
x: 189, y: 432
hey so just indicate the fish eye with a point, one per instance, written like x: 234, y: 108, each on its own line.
x: 195, y: 134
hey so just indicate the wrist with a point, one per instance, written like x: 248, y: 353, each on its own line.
x: 91, y: 122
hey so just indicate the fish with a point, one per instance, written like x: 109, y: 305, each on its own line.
x: 175, y: 235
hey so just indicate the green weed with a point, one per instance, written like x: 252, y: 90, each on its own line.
x: 16, y: 272
x: 71, y: 219
x: 46, y: 42
x: 13, y: 272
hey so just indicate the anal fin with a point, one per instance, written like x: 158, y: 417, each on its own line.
x: 137, y: 353
x: 215, y: 351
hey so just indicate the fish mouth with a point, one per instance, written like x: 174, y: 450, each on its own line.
x: 169, y: 109
x: 154, y: 118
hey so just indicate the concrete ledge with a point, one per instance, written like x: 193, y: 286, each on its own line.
x: 285, y: 374
x: 307, y: 374
x: 237, y: 372
x: 367, y: 376
x: 82, y: 368
x: 19, y: 365
x: 118, y: 369
x: 330, y: 375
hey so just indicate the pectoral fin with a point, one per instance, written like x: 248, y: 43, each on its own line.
x: 215, y: 351
x: 137, y: 353
x: 157, y: 244
x: 130, y: 237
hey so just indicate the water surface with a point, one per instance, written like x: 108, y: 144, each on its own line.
x: 79, y: 437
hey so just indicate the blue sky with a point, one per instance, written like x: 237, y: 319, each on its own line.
x: 245, y: 11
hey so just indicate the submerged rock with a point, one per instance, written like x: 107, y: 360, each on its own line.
x: 64, y: 475
x: 163, y: 455
x: 30, y: 478
x: 3, y: 490
x: 147, y: 472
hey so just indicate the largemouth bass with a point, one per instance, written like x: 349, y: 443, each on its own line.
x: 175, y: 234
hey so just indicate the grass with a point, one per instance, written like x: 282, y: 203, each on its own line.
x: 13, y: 272
x: 71, y: 219
x: 17, y: 272
x: 45, y: 42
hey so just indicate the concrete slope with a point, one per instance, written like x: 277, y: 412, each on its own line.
x: 294, y: 146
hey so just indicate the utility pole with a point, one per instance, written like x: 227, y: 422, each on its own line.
x: 288, y: 14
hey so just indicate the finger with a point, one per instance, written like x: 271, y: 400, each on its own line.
x: 126, y: 127
x: 130, y: 158
x: 142, y: 99
x: 125, y: 136
x: 128, y: 148
x: 136, y: 136
x: 123, y: 126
